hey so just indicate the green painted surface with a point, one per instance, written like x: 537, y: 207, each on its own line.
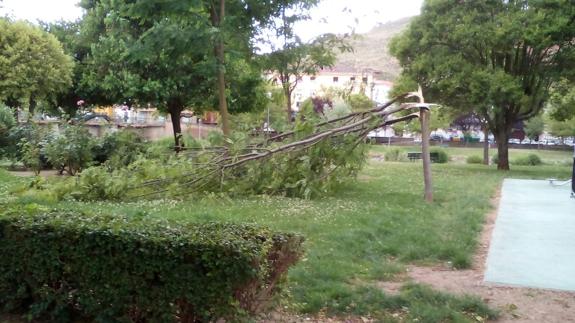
x: 533, y: 243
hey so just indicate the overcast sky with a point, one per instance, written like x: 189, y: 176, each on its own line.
x: 335, y: 16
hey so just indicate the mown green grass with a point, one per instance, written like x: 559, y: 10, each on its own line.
x: 553, y: 157
x: 364, y: 233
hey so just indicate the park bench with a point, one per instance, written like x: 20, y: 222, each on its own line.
x: 415, y: 155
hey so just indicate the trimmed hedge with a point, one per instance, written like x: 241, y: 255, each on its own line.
x: 63, y: 265
x: 442, y: 156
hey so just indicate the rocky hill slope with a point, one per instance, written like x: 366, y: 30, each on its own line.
x: 371, y: 50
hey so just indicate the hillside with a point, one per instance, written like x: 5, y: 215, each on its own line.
x: 371, y: 50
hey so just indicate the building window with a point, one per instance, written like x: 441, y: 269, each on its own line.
x: 364, y: 80
x: 352, y: 78
x: 312, y: 78
x: 335, y: 79
x: 298, y: 104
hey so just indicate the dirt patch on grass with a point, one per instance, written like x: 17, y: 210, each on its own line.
x: 515, y: 304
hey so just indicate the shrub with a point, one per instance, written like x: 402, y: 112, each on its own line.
x: 57, y: 265
x: 71, y: 150
x: 31, y: 156
x: 529, y: 160
x: 30, y: 148
x: 442, y: 156
x: 395, y: 154
x: 13, y: 143
x: 474, y: 159
x: 495, y: 159
x: 118, y: 149
x: 7, y: 122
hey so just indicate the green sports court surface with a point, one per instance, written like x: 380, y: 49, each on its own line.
x: 533, y: 243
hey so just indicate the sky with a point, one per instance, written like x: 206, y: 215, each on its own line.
x: 333, y: 16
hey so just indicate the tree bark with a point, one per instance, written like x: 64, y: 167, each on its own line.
x: 503, y: 149
x: 424, y: 119
x: 14, y: 104
x: 217, y: 19
x: 287, y: 93
x: 486, y: 145
x: 31, y: 106
x: 175, y: 110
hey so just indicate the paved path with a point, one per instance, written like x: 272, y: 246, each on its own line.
x: 533, y: 243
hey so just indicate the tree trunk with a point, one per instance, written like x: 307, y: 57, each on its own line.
x: 217, y: 20
x: 424, y: 119
x: 503, y: 149
x: 14, y: 104
x: 486, y: 146
x: 31, y: 106
x: 175, y: 111
x: 288, y: 104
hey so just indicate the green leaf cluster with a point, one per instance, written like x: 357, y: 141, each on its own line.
x: 59, y: 266
x: 496, y: 58
x: 71, y: 150
x: 7, y: 122
x: 33, y: 64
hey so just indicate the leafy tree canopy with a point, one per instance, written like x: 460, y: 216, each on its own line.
x: 163, y: 53
x: 68, y: 33
x: 534, y: 127
x: 32, y: 64
x: 292, y: 58
x: 496, y: 57
x: 562, y: 101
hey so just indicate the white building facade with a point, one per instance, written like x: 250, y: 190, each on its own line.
x: 341, y: 79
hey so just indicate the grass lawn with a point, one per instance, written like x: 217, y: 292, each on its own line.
x: 365, y: 233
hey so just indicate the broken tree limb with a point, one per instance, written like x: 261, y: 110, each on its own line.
x: 357, y: 124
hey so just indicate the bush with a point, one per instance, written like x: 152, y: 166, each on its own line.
x: 396, y: 154
x: 118, y: 149
x: 495, y: 159
x: 474, y: 159
x: 71, y: 150
x: 30, y: 147
x: 529, y: 160
x: 442, y: 156
x: 60, y: 265
x: 7, y: 122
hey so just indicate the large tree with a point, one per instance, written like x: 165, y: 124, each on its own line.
x: 290, y: 57
x: 496, y: 57
x: 177, y: 54
x: 140, y: 58
x: 68, y: 33
x: 33, y: 65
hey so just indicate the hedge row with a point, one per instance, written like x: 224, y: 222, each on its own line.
x: 63, y: 265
